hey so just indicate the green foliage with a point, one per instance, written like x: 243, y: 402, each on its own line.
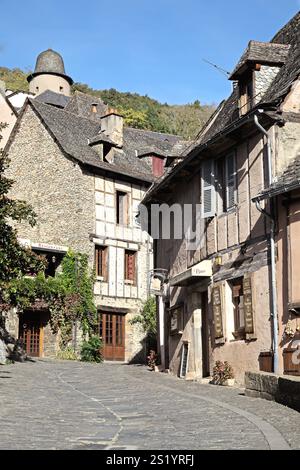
x: 15, y: 79
x: 15, y: 260
x: 67, y: 354
x: 139, y: 111
x: 147, y: 317
x: 91, y: 350
x: 69, y: 296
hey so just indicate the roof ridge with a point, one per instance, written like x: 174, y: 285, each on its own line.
x: 64, y: 111
x: 285, y: 27
x: 155, y: 132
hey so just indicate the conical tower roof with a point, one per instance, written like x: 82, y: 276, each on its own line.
x: 50, y: 62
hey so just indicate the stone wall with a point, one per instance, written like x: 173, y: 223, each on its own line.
x: 61, y: 194
x: 282, y: 389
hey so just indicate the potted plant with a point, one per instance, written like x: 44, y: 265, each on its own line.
x: 223, y: 374
x: 152, y: 360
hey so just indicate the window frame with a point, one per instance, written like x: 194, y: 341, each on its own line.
x: 125, y: 210
x: 132, y: 279
x: 239, y: 332
x: 104, y: 258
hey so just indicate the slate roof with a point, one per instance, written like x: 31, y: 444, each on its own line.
x: 55, y: 99
x: 81, y: 105
x: 74, y: 133
x: 50, y: 62
x: 263, y: 53
x: 288, y: 180
x: 227, y: 115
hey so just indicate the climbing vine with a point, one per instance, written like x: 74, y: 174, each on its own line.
x: 68, y: 296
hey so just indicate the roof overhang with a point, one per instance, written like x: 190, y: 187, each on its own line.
x: 194, y: 274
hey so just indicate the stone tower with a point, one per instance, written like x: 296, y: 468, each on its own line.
x: 49, y: 74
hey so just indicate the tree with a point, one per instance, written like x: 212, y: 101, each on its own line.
x: 15, y: 260
x: 147, y: 317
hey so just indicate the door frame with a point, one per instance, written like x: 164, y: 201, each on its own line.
x: 115, y: 314
x: 34, y: 317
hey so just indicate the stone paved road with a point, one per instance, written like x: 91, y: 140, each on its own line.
x: 71, y: 405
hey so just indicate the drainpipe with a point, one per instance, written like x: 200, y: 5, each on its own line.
x: 161, y: 313
x: 274, y: 313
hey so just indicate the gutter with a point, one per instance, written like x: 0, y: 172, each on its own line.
x: 274, y: 312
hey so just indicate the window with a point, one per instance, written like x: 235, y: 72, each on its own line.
x: 130, y: 266
x: 246, y: 94
x: 61, y: 89
x: 238, y: 308
x: 226, y: 183
x: 218, y: 185
x: 230, y: 181
x: 208, y: 189
x: 101, y: 261
x: 37, y: 89
x: 122, y: 208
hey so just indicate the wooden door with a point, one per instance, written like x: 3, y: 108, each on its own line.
x: 31, y: 333
x: 112, y: 331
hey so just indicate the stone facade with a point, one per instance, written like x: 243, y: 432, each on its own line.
x: 77, y: 209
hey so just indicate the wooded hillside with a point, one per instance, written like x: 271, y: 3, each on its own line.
x: 139, y: 111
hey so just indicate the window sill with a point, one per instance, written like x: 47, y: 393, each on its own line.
x: 232, y: 210
x: 101, y: 279
x: 238, y: 336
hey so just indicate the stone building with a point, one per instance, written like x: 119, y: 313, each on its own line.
x: 85, y: 173
x: 220, y: 300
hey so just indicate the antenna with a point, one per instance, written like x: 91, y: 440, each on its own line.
x: 223, y: 71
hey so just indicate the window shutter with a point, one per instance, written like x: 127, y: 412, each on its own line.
x: 230, y: 181
x: 248, y: 308
x: 208, y: 189
x: 129, y: 266
x: 217, y: 313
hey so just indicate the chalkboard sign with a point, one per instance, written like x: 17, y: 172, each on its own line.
x: 184, y: 360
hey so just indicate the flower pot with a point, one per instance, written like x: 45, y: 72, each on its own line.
x: 229, y: 383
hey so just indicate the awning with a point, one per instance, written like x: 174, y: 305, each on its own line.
x: 193, y: 274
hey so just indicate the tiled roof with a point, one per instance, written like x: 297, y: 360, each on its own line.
x: 55, y: 99
x: 289, y: 179
x: 227, y: 115
x: 81, y: 105
x: 263, y: 53
x: 74, y: 133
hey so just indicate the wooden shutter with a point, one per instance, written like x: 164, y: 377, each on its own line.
x: 208, y: 189
x: 217, y: 313
x: 130, y: 266
x: 157, y: 166
x: 101, y: 261
x: 230, y: 181
x: 248, y: 308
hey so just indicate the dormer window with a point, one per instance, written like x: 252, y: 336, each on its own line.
x: 256, y: 70
x: 246, y: 93
x: 94, y: 107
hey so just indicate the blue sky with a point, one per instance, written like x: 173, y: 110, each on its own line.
x: 153, y: 47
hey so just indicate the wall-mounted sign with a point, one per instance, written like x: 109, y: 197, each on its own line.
x: 176, y: 319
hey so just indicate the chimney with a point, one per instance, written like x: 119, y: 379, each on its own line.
x: 94, y: 107
x: 112, y: 126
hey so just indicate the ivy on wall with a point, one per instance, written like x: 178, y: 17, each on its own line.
x: 68, y: 296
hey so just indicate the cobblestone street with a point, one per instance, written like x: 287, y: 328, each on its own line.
x: 71, y: 405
